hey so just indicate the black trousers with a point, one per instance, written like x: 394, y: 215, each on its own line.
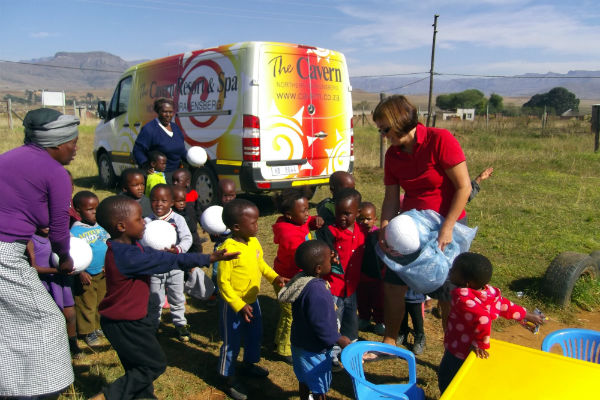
x: 449, y: 366
x: 416, y: 314
x: 141, y: 355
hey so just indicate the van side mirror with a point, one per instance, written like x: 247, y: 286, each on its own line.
x: 102, y: 109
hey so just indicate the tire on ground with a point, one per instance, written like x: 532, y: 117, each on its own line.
x: 596, y: 257
x: 564, y: 271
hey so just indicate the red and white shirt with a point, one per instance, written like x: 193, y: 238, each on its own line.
x: 471, y: 316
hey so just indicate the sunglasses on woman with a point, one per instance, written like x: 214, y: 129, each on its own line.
x: 384, y: 131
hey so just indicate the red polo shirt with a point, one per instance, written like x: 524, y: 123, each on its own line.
x: 421, y: 174
x: 350, y: 247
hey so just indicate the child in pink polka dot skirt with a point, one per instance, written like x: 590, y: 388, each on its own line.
x: 475, y: 304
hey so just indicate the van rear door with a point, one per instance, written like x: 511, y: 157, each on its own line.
x: 304, y: 122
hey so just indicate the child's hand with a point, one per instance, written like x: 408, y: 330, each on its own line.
x: 317, y: 223
x: 343, y: 341
x: 85, y: 278
x: 222, y: 255
x: 280, y: 281
x: 246, y: 313
x: 383, y: 244
x: 65, y: 265
x: 173, y: 249
x: 534, y: 318
x: 481, y: 353
x: 335, y: 259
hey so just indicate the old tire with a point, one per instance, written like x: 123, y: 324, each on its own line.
x: 563, y: 272
x: 106, y: 173
x: 204, y: 182
x: 596, y: 257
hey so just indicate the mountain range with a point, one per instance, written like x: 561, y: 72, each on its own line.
x: 101, y: 70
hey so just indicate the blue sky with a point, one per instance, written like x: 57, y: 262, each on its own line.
x: 378, y: 37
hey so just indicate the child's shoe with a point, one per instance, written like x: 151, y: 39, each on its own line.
x: 363, y: 324
x: 235, y: 389
x: 183, y: 333
x: 402, y: 338
x: 379, y: 329
x: 100, y: 333
x: 92, y: 339
x: 166, y: 306
x: 419, y: 345
x: 251, y: 369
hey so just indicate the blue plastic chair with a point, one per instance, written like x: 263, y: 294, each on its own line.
x: 582, y: 344
x: 352, y: 359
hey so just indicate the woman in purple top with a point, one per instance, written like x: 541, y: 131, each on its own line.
x: 36, y: 193
x: 163, y: 135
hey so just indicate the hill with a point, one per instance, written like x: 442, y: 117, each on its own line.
x: 65, y: 71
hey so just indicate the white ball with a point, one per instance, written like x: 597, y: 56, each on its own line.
x: 212, y: 220
x: 81, y: 253
x: 196, y: 156
x: 402, y: 235
x: 159, y: 235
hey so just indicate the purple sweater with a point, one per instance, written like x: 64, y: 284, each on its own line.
x: 36, y: 192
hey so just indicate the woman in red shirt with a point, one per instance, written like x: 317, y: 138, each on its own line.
x: 429, y: 165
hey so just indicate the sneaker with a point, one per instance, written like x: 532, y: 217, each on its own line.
x: 379, y: 329
x: 253, y: 370
x: 286, y: 359
x: 363, y: 324
x: 402, y: 339
x: 100, y: 333
x: 236, y: 390
x: 183, y: 333
x: 336, y: 366
x: 92, y: 339
x: 419, y: 345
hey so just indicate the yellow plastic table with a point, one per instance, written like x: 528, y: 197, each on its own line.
x: 522, y: 373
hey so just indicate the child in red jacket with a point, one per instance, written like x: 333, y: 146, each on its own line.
x: 475, y: 304
x: 290, y: 230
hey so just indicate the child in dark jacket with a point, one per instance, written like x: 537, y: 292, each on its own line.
x: 314, y: 326
x: 290, y: 230
x: 124, y: 310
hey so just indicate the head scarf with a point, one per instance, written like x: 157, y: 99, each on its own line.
x: 49, y: 128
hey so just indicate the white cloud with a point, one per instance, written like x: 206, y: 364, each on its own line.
x: 41, y: 35
x: 500, y: 24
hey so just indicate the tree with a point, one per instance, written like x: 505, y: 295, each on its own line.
x: 557, y: 100
x: 496, y: 103
x: 470, y: 98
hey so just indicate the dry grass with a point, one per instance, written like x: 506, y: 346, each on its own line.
x: 542, y: 200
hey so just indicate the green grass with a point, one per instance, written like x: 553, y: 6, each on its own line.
x: 541, y: 200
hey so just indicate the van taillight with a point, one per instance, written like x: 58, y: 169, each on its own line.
x: 351, y: 136
x: 251, y: 138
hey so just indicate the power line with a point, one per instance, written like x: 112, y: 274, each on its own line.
x: 352, y: 77
x: 403, y: 86
x: 61, y: 66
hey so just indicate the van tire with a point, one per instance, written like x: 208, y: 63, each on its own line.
x: 204, y: 182
x: 106, y: 173
x: 563, y: 272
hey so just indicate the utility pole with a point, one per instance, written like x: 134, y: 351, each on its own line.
x: 435, y: 18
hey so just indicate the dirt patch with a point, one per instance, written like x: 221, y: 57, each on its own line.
x: 515, y: 333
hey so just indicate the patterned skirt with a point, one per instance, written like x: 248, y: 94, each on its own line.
x: 34, y: 347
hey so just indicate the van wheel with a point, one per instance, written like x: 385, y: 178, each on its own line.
x: 106, y: 173
x: 564, y: 271
x: 204, y: 182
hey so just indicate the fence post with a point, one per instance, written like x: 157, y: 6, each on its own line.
x: 596, y: 126
x: 10, y: 120
x: 381, y: 140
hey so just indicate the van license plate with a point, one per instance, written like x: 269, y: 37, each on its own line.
x: 284, y: 170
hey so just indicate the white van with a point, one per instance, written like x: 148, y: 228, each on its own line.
x: 270, y: 115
